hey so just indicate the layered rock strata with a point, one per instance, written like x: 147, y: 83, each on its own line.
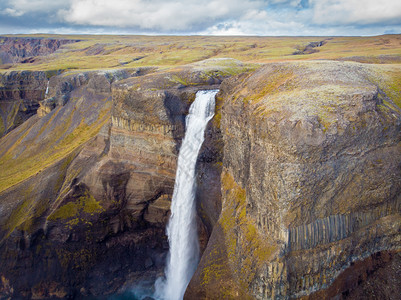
x: 96, y: 170
x: 20, y: 93
x: 311, y: 184
x: 26, y: 49
x: 298, y: 183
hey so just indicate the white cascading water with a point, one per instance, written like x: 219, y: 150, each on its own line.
x: 47, y: 88
x: 182, y: 230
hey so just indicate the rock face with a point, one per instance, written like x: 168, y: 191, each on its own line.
x: 24, y: 49
x: 311, y: 185
x: 87, y: 211
x: 20, y: 93
x: 299, y: 182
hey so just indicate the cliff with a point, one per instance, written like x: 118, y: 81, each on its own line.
x: 311, y: 185
x: 298, y: 180
x: 20, y: 93
x: 26, y: 49
x: 88, y: 181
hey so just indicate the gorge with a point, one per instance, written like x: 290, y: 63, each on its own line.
x: 298, y: 178
x: 182, y: 234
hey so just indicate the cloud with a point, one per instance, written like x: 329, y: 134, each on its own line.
x: 22, y: 7
x: 167, y: 15
x: 358, y: 12
x: 13, y: 12
x: 219, y: 17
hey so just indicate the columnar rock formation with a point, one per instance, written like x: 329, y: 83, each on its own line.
x: 311, y: 182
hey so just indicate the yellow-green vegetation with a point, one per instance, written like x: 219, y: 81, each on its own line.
x: 79, y: 260
x: 181, y: 80
x: 9, y: 111
x: 18, y: 215
x: 30, y: 207
x: 105, y: 52
x: 218, y: 107
x: 2, y: 128
x: 247, y: 249
x: 224, y: 67
x: 18, y: 165
x: 270, y: 86
x: 13, y: 113
x: 316, y: 89
x: 24, y: 215
x: 388, y: 79
x: 86, y: 204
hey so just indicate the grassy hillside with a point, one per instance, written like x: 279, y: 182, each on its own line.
x: 100, y: 52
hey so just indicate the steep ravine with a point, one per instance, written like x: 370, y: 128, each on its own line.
x: 96, y: 170
x: 298, y: 179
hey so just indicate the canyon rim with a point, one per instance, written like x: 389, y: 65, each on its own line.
x: 298, y: 180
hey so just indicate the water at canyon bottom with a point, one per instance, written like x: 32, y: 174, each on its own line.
x: 182, y: 230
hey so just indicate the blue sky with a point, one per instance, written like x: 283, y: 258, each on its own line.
x: 216, y: 17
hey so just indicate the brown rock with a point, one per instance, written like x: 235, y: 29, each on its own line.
x: 97, y: 206
x: 311, y: 178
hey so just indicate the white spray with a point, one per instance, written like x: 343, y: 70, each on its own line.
x: 181, y: 230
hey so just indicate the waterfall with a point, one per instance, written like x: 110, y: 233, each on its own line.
x: 47, y: 88
x: 182, y: 230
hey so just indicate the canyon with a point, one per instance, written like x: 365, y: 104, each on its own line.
x: 298, y: 180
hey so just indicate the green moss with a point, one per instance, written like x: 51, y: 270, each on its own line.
x: 270, y: 87
x: 18, y: 215
x: 180, y: 80
x: 27, y: 214
x: 63, y: 169
x: 66, y: 211
x: 84, y: 204
x: 45, y: 152
x: 2, y: 128
x: 393, y: 88
x: 51, y: 73
x: 218, y: 108
x: 12, y: 114
x: 78, y: 260
x: 247, y: 249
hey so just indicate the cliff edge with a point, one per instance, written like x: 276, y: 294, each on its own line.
x: 311, y: 185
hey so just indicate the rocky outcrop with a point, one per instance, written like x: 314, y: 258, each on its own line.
x: 20, y: 93
x: 61, y: 88
x: 25, y: 49
x: 310, y: 184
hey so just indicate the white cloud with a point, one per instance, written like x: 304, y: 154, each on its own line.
x: 261, y: 23
x: 12, y: 12
x: 361, y: 12
x: 18, y: 8
x: 165, y: 15
x: 220, y: 17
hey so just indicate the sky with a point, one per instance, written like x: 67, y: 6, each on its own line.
x: 202, y: 17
